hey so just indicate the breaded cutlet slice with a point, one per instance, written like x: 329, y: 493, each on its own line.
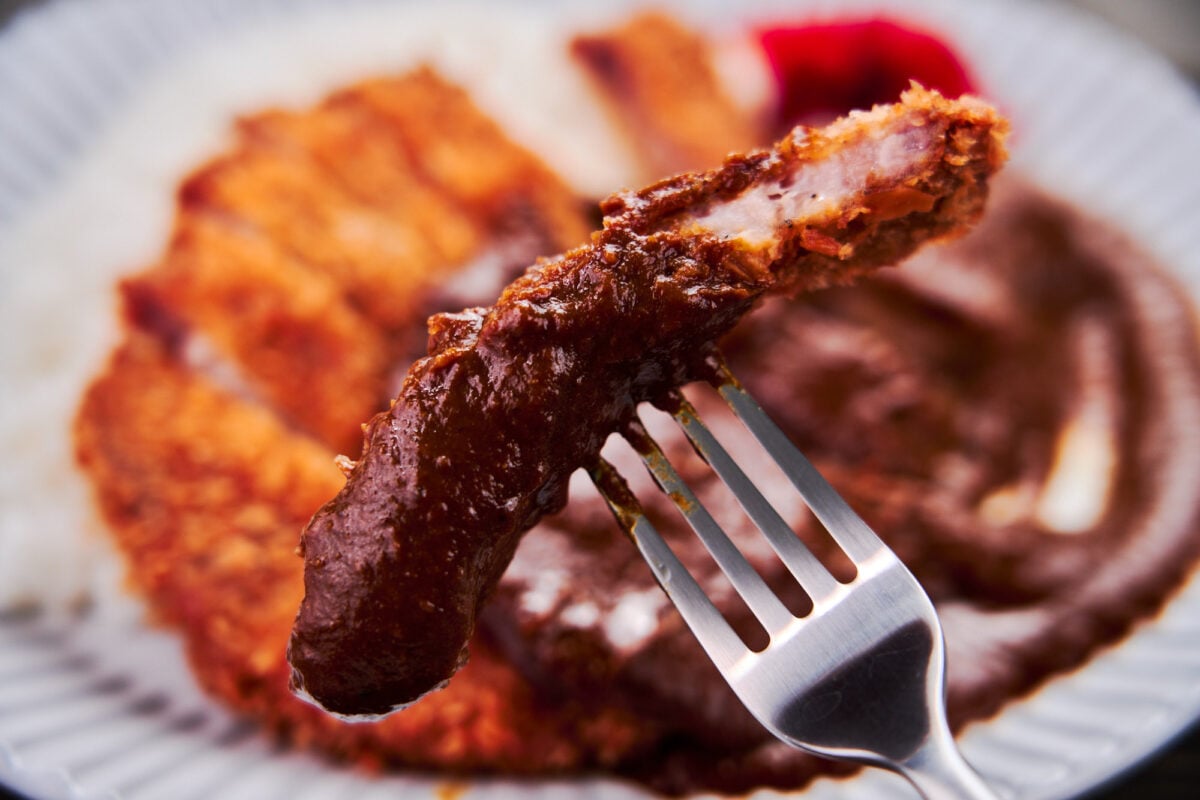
x: 204, y: 493
x: 466, y: 154
x: 379, y: 261
x: 659, y: 81
x: 309, y: 254
x: 298, y: 343
x: 417, y: 149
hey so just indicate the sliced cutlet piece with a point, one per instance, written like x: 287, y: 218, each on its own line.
x: 486, y: 430
x: 660, y: 83
x: 457, y: 148
x: 376, y: 261
x: 203, y: 493
x: 362, y: 154
x: 296, y: 342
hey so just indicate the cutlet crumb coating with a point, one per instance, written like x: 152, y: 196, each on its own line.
x: 661, y: 84
x: 205, y: 493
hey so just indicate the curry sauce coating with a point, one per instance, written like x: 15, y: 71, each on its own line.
x: 512, y: 399
x: 204, y: 493
x: 659, y: 81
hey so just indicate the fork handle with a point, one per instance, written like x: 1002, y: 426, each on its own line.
x: 939, y: 772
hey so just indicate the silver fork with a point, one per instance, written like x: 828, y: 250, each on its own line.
x: 860, y: 677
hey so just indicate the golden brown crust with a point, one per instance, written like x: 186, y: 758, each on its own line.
x: 418, y: 150
x: 659, y: 82
x: 205, y: 493
x: 303, y: 256
x: 298, y: 341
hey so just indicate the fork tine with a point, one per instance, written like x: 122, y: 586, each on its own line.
x: 765, y: 604
x: 848, y: 529
x: 809, y: 572
x: 823, y: 682
x: 719, y: 640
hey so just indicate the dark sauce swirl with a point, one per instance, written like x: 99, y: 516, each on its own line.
x: 1017, y: 413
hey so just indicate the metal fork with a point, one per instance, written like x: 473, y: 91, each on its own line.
x: 860, y: 677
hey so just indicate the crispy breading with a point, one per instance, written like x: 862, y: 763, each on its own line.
x: 417, y: 150
x: 205, y: 493
x: 661, y: 85
x: 378, y: 263
x: 468, y: 158
x: 297, y: 340
x: 307, y: 255
x: 304, y: 257
x: 362, y: 154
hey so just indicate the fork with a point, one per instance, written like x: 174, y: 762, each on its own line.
x: 861, y: 677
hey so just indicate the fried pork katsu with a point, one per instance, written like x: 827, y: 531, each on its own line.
x: 205, y: 492
x: 512, y: 399
x: 313, y: 244
x: 306, y: 258
x: 659, y: 81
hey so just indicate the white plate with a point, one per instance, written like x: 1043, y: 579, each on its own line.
x: 101, y: 706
